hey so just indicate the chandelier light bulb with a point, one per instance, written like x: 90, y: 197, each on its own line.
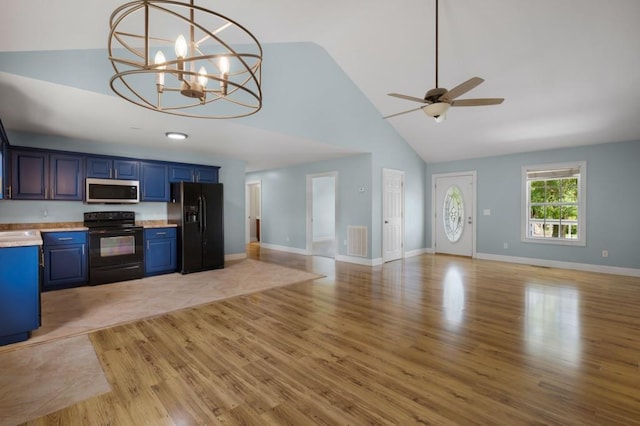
x: 160, y: 59
x: 223, y: 64
x: 181, y: 47
x: 202, y: 77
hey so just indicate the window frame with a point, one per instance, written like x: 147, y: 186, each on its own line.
x: 582, y: 204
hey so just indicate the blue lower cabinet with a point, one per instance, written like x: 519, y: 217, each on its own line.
x: 65, y: 259
x: 160, y: 251
x: 19, y: 293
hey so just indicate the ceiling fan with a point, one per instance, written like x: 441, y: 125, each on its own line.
x: 437, y: 101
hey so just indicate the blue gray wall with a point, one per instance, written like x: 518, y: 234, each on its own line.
x: 613, y: 203
x: 232, y: 175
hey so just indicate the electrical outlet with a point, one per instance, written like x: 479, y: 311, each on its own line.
x: 605, y: 253
x: 506, y: 245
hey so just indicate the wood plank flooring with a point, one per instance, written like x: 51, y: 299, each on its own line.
x: 428, y: 340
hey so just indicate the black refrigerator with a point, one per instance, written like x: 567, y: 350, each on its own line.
x: 197, y: 210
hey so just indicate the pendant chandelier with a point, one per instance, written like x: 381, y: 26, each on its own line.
x: 179, y: 58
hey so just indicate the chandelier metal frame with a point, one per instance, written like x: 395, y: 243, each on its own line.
x: 177, y: 86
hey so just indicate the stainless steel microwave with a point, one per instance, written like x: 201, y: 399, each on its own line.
x: 112, y: 191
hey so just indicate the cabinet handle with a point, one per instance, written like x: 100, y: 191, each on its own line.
x: 161, y: 233
x: 147, y: 244
x: 83, y: 249
x: 65, y: 238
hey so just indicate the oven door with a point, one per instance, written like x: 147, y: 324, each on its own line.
x: 115, y: 255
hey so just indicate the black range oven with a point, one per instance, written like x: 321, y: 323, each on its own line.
x: 115, y: 247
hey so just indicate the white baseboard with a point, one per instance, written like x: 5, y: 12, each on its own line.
x: 284, y: 248
x: 359, y: 260
x: 413, y: 253
x: 235, y: 256
x: 562, y: 265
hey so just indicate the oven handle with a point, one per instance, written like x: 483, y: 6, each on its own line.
x: 112, y: 231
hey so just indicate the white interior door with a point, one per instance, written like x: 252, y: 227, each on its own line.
x: 454, y: 214
x: 392, y: 214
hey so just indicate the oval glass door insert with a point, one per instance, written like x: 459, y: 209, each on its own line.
x: 453, y: 214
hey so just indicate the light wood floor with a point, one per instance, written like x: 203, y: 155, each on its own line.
x: 428, y: 340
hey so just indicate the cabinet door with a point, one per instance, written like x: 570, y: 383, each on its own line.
x: 66, y: 177
x: 160, y: 251
x: 154, y: 182
x: 64, y: 266
x: 181, y: 173
x: 206, y: 174
x: 29, y: 175
x: 126, y: 169
x: 99, y: 167
x: 19, y: 293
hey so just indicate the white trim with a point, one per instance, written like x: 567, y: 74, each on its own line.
x: 413, y: 253
x: 285, y: 248
x: 587, y: 267
x: 359, y: 260
x: 402, y: 174
x: 582, y: 204
x: 235, y: 256
x: 474, y: 179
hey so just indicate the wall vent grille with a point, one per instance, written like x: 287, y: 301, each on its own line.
x: 357, y: 241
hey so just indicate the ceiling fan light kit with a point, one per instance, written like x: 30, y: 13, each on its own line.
x: 167, y: 53
x: 438, y: 100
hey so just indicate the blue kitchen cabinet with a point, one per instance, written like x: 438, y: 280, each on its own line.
x: 65, y: 259
x: 29, y: 172
x: 206, y: 174
x: 41, y: 175
x: 4, y: 159
x: 193, y: 173
x: 154, y: 182
x: 113, y: 168
x: 66, y: 177
x: 19, y: 293
x: 160, y: 254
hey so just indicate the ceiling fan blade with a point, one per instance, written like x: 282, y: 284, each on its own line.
x: 461, y: 89
x: 477, y: 102
x: 400, y: 113
x: 408, y: 98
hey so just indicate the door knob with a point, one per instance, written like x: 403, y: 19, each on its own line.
x: 386, y: 221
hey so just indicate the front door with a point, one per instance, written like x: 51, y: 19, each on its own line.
x: 454, y: 214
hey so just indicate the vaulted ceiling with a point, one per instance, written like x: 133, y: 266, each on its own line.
x: 569, y: 71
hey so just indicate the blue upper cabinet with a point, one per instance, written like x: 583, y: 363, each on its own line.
x: 113, y: 168
x: 66, y: 177
x: 4, y: 159
x: 193, y: 173
x: 29, y: 175
x: 206, y: 174
x: 154, y: 182
x: 39, y: 175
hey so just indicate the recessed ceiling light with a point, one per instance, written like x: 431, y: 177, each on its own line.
x: 177, y: 135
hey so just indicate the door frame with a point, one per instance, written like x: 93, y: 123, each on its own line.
x: 309, y: 221
x: 474, y: 216
x: 402, y: 173
x: 247, y: 208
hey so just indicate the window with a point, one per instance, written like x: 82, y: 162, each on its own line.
x: 554, y: 203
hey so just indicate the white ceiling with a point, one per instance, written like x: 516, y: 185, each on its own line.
x: 569, y: 71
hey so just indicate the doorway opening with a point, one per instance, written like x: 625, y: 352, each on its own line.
x: 253, y: 203
x: 321, y: 214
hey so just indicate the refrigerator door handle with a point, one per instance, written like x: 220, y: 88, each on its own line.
x: 200, y: 214
x: 204, y: 215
